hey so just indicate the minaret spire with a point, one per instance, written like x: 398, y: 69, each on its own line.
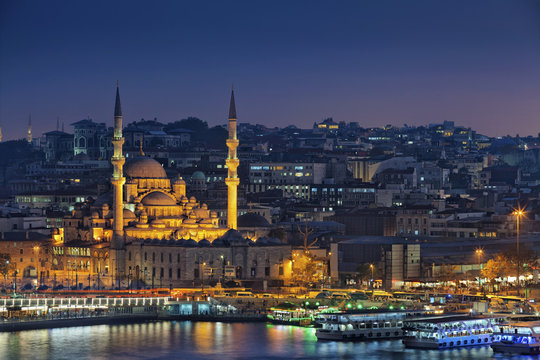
x: 118, y: 243
x: 118, y: 179
x: 232, y: 163
x: 232, y: 106
x: 117, y: 106
x: 57, y: 123
x: 141, y: 152
x: 29, y: 132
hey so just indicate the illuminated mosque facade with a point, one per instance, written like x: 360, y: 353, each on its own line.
x: 148, y: 230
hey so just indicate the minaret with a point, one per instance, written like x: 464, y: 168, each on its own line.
x: 57, y: 123
x: 0, y: 132
x: 232, y: 163
x: 29, y: 133
x: 118, y: 179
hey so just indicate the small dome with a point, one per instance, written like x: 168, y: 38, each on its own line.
x: 190, y: 243
x: 128, y: 214
x: 234, y: 237
x: 158, y: 223
x: 198, y: 175
x: 204, y: 243
x: 179, y: 181
x: 252, y: 220
x: 157, y: 198
x: 145, y: 168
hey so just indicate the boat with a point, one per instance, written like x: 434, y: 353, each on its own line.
x: 517, y: 338
x: 285, y: 315
x: 450, y: 331
x: 362, y: 326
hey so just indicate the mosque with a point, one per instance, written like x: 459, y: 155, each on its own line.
x: 148, y: 230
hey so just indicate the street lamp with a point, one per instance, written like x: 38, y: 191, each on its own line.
x: 372, y: 284
x: 36, y: 254
x: 479, y: 252
x: 518, y: 214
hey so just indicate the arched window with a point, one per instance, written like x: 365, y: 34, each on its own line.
x: 82, y: 142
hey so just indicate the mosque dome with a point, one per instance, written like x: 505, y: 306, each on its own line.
x: 128, y: 214
x: 158, y: 223
x: 233, y: 237
x: 144, y: 167
x: 251, y: 220
x: 157, y: 198
x: 179, y: 181
x: 198, y: 175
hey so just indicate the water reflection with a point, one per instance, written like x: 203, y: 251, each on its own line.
x: 186, y: 340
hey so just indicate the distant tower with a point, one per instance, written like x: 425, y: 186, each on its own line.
x: 29, y: 133
x: 118, y: 179
x: 232, y: 163
x: 57, y: 123
x: 0, y: 132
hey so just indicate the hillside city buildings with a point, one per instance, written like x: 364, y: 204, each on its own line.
x: 164, y: 204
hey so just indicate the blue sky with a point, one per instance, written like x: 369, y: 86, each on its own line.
x: 292, y: 62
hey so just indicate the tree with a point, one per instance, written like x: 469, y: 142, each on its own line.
x: 447, y: 273
x: 527, y: 258
x: 191, y: 123
x: 6, y: 265
x: 365, y: 271
x: 214, y: 137
x: 278, y: 233
x: 308, y: 268
x: 499, y: 267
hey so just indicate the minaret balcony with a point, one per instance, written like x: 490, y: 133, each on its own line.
x: 232, y: 143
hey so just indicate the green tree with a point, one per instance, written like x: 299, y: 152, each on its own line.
x: 191, y: 123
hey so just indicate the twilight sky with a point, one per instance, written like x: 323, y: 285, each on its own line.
x: 292, y: 62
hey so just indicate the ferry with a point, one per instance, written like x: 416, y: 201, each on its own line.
x: 450, y: 331
x: 362, y: 326
x: 286, y: 315
x: 517, y: 338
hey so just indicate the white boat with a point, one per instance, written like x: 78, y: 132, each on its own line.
x: 517, y: 338
x: 450, y: 331
x: 367, y: 326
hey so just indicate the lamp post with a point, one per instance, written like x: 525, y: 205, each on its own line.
x: 129, y: 281
x: 6, y: 273
x: 371, y: 267
x: 372, y: 284
x: 222, y: 269
x: 479, y: 253
x: 36, y: 254
x: 518, y: 214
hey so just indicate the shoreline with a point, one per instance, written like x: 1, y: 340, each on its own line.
x: 120, y: 319
x: 73, y: 322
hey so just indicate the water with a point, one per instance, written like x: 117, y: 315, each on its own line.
x: 205, y: 340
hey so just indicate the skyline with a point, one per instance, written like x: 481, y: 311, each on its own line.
x: 376, y: 64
